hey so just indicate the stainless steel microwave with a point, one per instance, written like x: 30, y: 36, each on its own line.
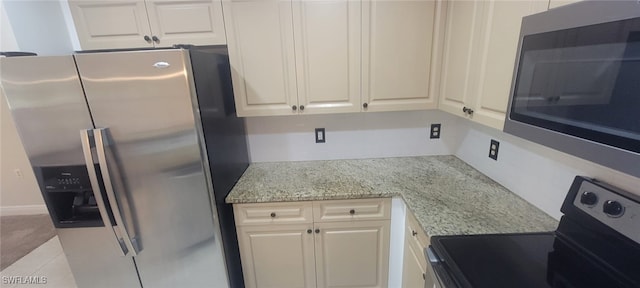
x: 576, y: 83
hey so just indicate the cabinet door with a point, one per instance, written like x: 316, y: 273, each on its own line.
x: 277, y: 256
x: 502, y: 21
x: 352, y: 254
x: 461, y: 39
x: 111, y: 24
x: 413, y: 267
x: 397, y: 44
x: 197, y: 22
x: 416, y: 271
x: 328, y: 55
x: 260, y: 41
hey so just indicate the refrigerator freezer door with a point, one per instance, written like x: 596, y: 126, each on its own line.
x: 146, y: 100
x: 49, y: 109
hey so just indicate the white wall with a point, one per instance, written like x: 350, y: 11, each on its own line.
x: 538, y: 174
x: 18, y: 194
x: 7, y: 39
x: 38, y: 26
x: 349, y: 136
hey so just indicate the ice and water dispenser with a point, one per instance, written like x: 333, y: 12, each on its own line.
x: 69, y: 196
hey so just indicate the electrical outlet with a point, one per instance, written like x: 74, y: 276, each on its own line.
x: 320, y: 135
x: 18, y: 173
x: 493, y: 149
x: 436, y: 130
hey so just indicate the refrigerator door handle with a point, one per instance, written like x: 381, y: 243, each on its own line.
x: 101, y: 138
x: 88, y: 143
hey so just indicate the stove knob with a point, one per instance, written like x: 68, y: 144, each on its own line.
x: 613, y: 208
x: 589, y: 198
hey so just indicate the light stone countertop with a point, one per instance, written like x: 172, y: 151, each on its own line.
x: 446, y: 195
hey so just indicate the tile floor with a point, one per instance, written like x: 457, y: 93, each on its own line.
x: 48, y: 261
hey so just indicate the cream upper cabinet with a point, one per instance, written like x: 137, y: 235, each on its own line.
x: 347, y: 56
x: 461, y: 33
x: 196, y: 22
x: 261, y: 54
x: 327, y: 45
x: 280, y: 255
x: 399, y: 67
x: 558, y: 3
x: 352, y: 254
x: 111, y: 24
x: 502, y: 21
x: 480, y: 49
x: 116, y: 24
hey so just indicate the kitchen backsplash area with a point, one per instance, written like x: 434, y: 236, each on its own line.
x: 536, y: 173
x: 350, y: 136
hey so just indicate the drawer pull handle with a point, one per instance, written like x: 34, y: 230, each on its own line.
x: 317, y: 231
x: 309, y: 231
x: 352, y: 211
x: 414, y: 233
x: 273, y: 215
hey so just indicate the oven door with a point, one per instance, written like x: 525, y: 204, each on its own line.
x: 436, y: 267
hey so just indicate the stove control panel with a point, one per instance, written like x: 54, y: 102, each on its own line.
x: 617, y: 209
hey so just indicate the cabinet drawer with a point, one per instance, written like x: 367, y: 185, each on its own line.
x: 273, y: 213
x: 349, y: 210
x: 414, y: 230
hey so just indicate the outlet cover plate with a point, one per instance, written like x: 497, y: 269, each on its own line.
x: 436, y: 130
x: 321, y: 137
x: 493, y: 149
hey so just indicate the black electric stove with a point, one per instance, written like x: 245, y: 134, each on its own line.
x: 597, y: 244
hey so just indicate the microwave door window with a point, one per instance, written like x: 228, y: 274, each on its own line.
x: 569, y: 82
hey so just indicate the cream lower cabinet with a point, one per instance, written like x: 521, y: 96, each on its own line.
x: 480, y: 46
x: 415, y: 267
x: 279, y: 255
x: 341, y: 243
x: 116, y: 24
x: 352, y: 254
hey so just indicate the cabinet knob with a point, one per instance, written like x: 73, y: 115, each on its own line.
x: 352, y: 211
x: 467, y: 110
x: 147, y: 38
x: 294, y: 107
x: 155, y: 39
x: 273, y: 215
x: 365, y: 105
x: 301, y: 107
x: 309, y: 231
x: 414, y: 233
x: 317, y: 231
x: 424, y: 276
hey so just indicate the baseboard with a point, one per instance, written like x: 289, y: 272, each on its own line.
x: 23, y: 210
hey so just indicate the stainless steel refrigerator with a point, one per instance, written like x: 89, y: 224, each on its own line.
x: 134, y: 152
